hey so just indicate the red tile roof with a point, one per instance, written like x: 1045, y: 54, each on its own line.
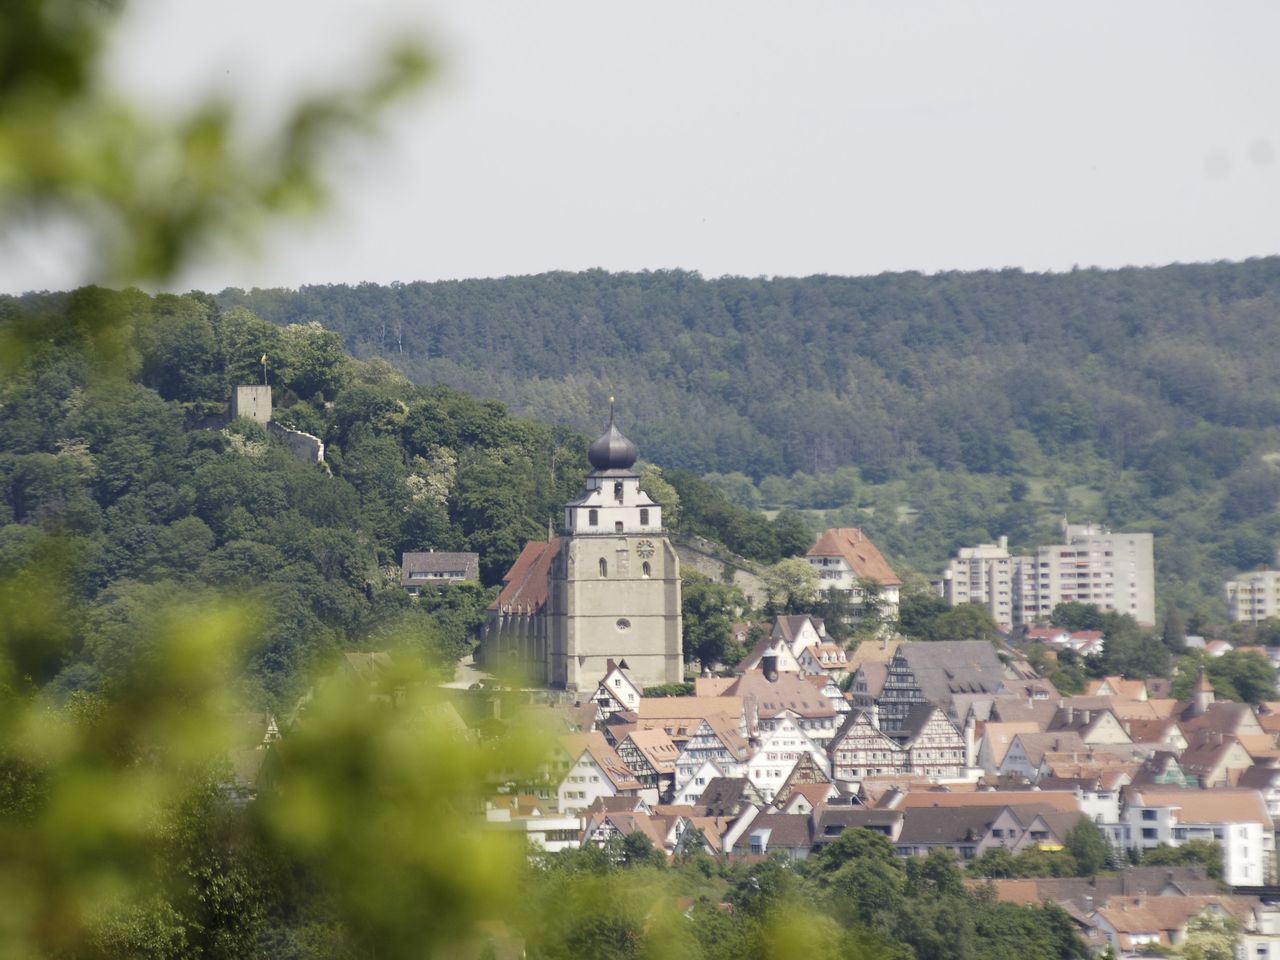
x: 860, y: 553
x: 524, y: 588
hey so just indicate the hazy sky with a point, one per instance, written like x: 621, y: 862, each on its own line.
x: 753, y: 138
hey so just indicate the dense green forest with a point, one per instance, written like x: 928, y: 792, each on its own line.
x: 151, y: 500
x: 934, y: 411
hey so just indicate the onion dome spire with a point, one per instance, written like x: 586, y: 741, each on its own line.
x: 612, y: 451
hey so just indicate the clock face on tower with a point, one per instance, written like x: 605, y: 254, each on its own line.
x: 645, y: 548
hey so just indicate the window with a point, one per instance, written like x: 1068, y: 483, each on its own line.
x: 593, y: 517
x: 617, y: 526
x: 645, y: 570
x: 1148, y: 814
x: 644, y: 516
x: 604, y: 567
x: 617, y: 490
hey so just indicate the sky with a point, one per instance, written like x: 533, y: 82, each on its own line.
x: 745, y: 137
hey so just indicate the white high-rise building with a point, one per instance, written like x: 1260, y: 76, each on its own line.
x: 1113, y: 571
x: 1254, y: 597
x: 983, y: 574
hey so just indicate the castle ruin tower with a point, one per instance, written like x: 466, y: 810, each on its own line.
x: 614, y: 587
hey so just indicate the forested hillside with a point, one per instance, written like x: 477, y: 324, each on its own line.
x: 115, y: 478
x: 932, y: 410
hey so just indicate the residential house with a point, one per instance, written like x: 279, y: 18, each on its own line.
x: 617, y: 691
x: 1214, y: 760
x: 867, y: 685
x: 860, y: 749
x: 831, y: 820
x: 1027, y: 751
x: 779, y: 751
x: 1254, y: 597
x: 531, y: 817
x: 785, y: 638
x: 934, y: 747
x: 432, y: 569
x: 715, y: 739
x: 730, y: 797
x: 693, y: 789
x: 935, y: 673
x: 996, y: 739
x: 594, y: 770
x: 759, y: 833
x: 1144, y: 924
x: 651, y: 757
x: 1237, y: 819
x: 845, y: 560
x: 789, y: 694
x: 824, y: 660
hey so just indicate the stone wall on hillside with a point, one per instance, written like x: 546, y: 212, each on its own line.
x: 712, y: 561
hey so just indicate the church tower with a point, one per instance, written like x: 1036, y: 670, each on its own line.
x: 614, y: 585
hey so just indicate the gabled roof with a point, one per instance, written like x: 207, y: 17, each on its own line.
x: 1164, y: 916
x: 789, y: 626
x: 1153, y: 730
x: 1036, y: 745
x: 918, y: 716
x: 606, y: 758
x: 1222, y: 716
x: 874, y: 651
x: 689, y: 708
x: 1206, y: 759
x: 617, y: 805
x: 943, y: 668
x: 1059, y: 800
x: 725, y: 796
x: 788, y: 831
x: 862, y: 556
x: 1000, y: 735
x: 657, y: 748
x: 367, y: 666
x: 1259, y: 777
x: 1018, y: 710
x: 438, y: 566
x: 947, y: 825
x: 874, y: 673
x: 831, y: 821
x: 788, y: 692
x: 524, y: 588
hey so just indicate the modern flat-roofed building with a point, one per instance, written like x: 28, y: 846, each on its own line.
x: 1113, y: 571
x: 1254, y: 597
x: 983, y: 574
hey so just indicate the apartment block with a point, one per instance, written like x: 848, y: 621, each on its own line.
x: 1254, y: 597
x: 983, y: 574
x: 1114, y: 571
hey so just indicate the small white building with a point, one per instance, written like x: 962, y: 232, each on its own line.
x: 595, y: 770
